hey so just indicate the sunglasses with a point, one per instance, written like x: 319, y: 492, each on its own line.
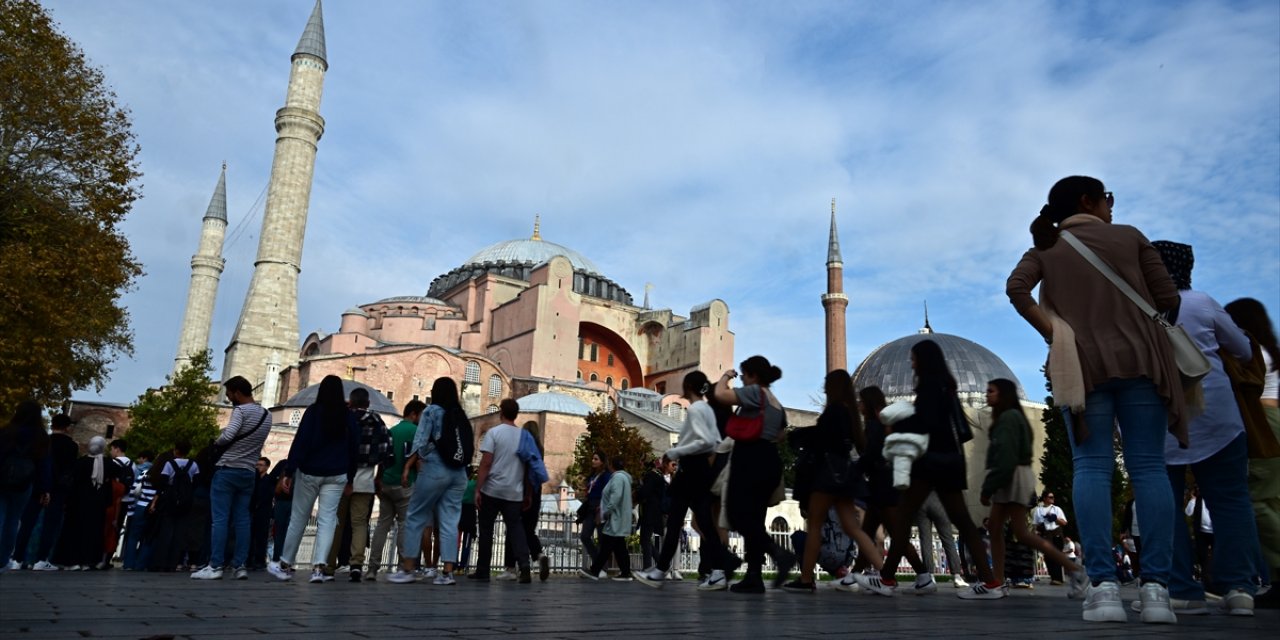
x: 1110, y: 198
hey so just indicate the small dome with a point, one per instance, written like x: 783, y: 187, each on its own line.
x: 554, y: 403
x: 531, y: 252
x: 377, y: 402
x: 973, y: 365
x: 411, y: 300
x: 355, y: 311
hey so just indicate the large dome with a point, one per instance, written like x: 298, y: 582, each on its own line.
x: 973, y: 365
x: 530, y: 252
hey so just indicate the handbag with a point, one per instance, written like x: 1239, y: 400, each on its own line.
x: 959, y: 424
x: 747, y: 428
x: 1192, y: 363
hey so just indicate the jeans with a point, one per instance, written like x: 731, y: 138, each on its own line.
x: 137, y: 551
x: 281, y: 515
x: 49, y: 530
x: 12, y: 503
x: 229, y: 496
x: 1140, y: 412
x: 1222, y: 478
x: 306, y: 491
x: 393, y: 507
x: 436, y: 500
x: 490, y: 507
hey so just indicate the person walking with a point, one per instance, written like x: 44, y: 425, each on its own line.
x: 591, y: 506
x: 615, y: 524
x: 393, y: 499
x: 25, y: 473
x: 650, y: 498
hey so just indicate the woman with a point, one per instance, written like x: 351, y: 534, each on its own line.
x: 1109, y: 364
x: 615, y: 524
x: 691, y: 490
x: 323, y: 461
x: 81, y: 543
x: 437, y: 493
x: 591, y: 507
x: 756, y: 470
x: 1010, y: 482
x: 1217, y: 454
x: 24, y: 458
x: 882, y: 498
x: 836, y: 433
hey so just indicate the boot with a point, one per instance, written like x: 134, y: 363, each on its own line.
x: 753, y: 582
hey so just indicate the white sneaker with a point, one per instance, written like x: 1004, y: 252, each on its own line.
x: 371, y: 575
x: 444, y: 578
x: 430, y: 574
x: 1102, y: 603
x: 873, y: 584
x: 654, y: 577
x: 1238, y: 602
x: 400, y: 576
x: 14, y: 565
x: 342, y: 571
x: 848, y: 583
x: 716, y: 581
x: 980, y: 591
x: 318, y: 575
x: 604, y: 575
x: 958, y: 581
x: 44, y: 565
x: 623, y: 578
x: 674, y: 574
x: 583, y: 573
x: 279, y: 571
x: 1156, y: 607
x: 925, y: 584
x: 507, y: 575
x: 242, y: 573
x: 1179, y: 606
x: 209, y: 573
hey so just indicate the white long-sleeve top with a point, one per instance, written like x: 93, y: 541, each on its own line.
x: 698, y: 434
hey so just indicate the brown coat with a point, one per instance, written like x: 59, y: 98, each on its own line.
x: 1246, y: 381
x: 1113, y: 337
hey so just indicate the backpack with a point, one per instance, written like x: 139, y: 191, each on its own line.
x: 457, y: 443
x: 180, y: 494
x: 18, y: 470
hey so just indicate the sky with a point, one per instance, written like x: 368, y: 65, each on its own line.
x: 697, y: 146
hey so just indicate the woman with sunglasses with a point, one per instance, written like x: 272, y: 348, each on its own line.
x: 1109, y: 364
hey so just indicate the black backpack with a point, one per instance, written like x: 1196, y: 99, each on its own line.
x: 180, y: 494
x: 17, y: 470
x: 457, y: 443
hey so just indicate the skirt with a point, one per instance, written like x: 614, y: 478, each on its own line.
x: 1021, y: 490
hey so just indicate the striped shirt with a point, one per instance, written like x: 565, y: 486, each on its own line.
x: 245, y: 418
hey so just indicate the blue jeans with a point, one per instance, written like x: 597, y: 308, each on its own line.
x: 50, y: 528
x: 12, y: 503
x: 1223, y: 482
x: 137, y: 552
x: 436, y: 499
x: 229, y: 496
x: 309, y: 490
x: 1140, y: 412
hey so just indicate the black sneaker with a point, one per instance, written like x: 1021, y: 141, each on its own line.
x: 798, y: 586
x: 748, y: 584
x: 544, y: 567
x: 785, y: 561
x: 525, y: 578
x: 355, y: 575
x: 478, y: 577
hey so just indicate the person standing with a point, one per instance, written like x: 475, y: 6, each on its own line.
x: 171, y: 509
x: 651, y: 495
x: 81, y: 544
x: 591, y: 507
x: 535, y: 476
x: 1049, y: 521
x: 615, y: 524
x: 373, y: 453
x: 1111, y: 364
x: 500, y: 490
x: 393, y: 499
x: 24, y: 474
x: 260, y: 510
x: 49, y: 511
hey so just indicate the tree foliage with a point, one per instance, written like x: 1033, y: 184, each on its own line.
x: 182, y: 410
x: 607, y: 433
x: 68, y: 176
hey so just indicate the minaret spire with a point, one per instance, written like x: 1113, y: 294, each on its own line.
x: 266, y: 338
x: 834, y: 301
x: 206, y: 271
x: 927, y: 328
x: 537, y: 227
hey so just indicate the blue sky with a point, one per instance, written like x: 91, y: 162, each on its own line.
x: 697, y: 146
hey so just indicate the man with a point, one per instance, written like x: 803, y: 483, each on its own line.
x: 500, y: 489
x: 234, y: 479
x: 357, y: 504
x: 63, y: 452
x: 535, y: 476
x: 1049, y: 520
x: 261, y: 508
x: 393, y: 499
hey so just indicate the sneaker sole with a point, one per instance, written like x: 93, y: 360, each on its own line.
x: 1105, y: 614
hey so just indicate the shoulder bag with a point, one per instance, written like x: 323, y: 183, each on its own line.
x: 748, y: 428
x: 219, y: 450
x: 1192, y: 363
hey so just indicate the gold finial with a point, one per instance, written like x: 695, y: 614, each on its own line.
x: 537, y: 225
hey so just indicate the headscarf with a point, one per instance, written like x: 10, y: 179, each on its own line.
x: 97, y: 446
x: 1178, y: 259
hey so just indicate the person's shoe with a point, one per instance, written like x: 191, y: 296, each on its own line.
x: 1078, y: 585
x: 13, y: 565
x: 1179, y: 606
x: 674, y: 574
x: 400, y: 576
x: 749, y: 584
x: 1055, y: 583
x: 318, y: 575
x: 342, y: 571
x: 1102, y: 603
x: 507, y: 575
x: 430, y: 574
x: 622, y: 578
x: 279, y: 571
x: 544, y: 567
x: 207, y: 573
x: 444, y: 579
x: 583, y: 573
x: 848, y: 583
x: 799, y: 586
x: 654, y: 578
x: 44, y: 565
x: 478, y: 577
x: 1156, y: 608
x: 925, y: 584
x: 785, y: 561
x: 242, y: 573
x: 525, y: 577
x: 371, y: 575
x: 958, y: 581
x: 873, y: 583
x: 1238, y: 602
x: 356, y: 574
x: 716, y: 581
x: 981, y: 591
x: 604, y: 574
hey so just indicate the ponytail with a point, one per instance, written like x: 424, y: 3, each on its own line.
x: 1064, y: 202
x: 1044, y: 231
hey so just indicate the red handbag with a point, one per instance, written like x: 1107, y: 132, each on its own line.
x: 747, y: 428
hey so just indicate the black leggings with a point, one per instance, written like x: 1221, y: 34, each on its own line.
x: 691, y: 490
x: 753, y: 476
x: 617, y: 546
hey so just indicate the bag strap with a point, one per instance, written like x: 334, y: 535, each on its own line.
x: 245, y: 434
x: 1103, y: 268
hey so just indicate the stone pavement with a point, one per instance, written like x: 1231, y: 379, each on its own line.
x: 118, y: 604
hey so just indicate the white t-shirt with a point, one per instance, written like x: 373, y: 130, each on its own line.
x: 506, y: 473
x: 1048, y: 516
x: 1270, y: 385
x: 177, y: 464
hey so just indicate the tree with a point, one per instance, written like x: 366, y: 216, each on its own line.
x: 606, y: 433
x: 68, y: 176
x: 182, y: 410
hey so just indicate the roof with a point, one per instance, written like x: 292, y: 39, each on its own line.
x: 411, y: 300
x: 973, y: 365
x: 312, y: 40
x: 657, y: 419
x: 833, y: 241
x: 550, y: 401
x: 533, y: 252
x: 218, y: 203
x: 377, y: 402
x: 355, y: 311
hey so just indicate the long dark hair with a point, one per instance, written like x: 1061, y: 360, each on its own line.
x: 333, y: 408
x: 28, y: 414
x: 760, y: 369
x: 1251, y: 315
x: 839, y: 389
x: 696, y: 383
x: 873, y: 402
x: 444, y: 394
x: 1006, y: 398
x: 931, y: 367
x: 1064, y: 202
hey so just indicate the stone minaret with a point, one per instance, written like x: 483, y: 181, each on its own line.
x: 206, y: 271
x: 834, y: 301
x: 268, y: 329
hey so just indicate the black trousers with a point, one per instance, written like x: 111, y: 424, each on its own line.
x: 490, y: 507
x: 617, y: 547
x: 754, y: 473
x: 528, y: 522
x: 691, y: 490
x: 1055, y: 538
x: 259, y: 528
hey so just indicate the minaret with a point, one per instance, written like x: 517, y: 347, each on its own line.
x: 268, y: 326
x: 206, y: 271
x: 834, y: 301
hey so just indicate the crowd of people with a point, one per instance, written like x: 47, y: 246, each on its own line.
x: 1107, y: 300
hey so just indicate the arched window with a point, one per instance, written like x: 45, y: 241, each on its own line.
x: 472, y: 372
x: 608, y: 380
x: 779, y: 525
x: 625, y: 385
x: 610, y: 358
x: 495, y: 386
x: 579, y: 374
x: 594, y: 377
x: 493, y: 408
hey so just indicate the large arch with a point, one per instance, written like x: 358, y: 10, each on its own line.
x: 607, y: 355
